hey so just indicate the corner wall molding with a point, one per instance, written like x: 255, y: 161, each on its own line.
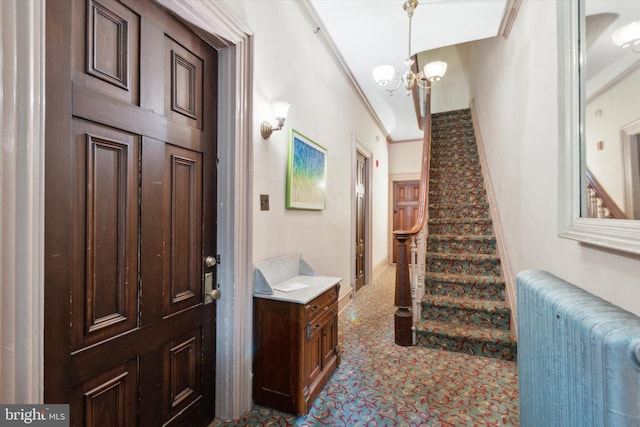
x: 317, y: 25
x: 510, y: 15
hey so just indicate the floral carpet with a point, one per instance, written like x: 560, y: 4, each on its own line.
x: 379, y: 383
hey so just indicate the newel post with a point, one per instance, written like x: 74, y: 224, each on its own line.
x: 403, y: 316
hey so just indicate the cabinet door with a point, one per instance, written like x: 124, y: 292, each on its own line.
x: 330, y: 338
x: 313, y: 354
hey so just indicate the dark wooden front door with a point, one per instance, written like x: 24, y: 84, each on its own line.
x: 361, y: 188
x: 405, y: 207
x: 130, y: 215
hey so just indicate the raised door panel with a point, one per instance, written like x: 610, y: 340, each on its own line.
x: 109, y: 399
x: 105, y: 295
x: 109, y: 62
x: 183, y: 89
x: 182, y: 371
x: 330, y: 337
x: 183, y: 195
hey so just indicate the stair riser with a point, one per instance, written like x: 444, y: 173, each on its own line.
x: 457, y: 198
x: 478, y: 289
x: 474, y: 211
x: 465, y: 267
x: 457, y: 184
x: 483, y: 228
x: 485, y: 246
x: 468, y: 317
x: 455, y: 173
x: 443, y: 191
x: 478, y: 348
x: 455, y: 163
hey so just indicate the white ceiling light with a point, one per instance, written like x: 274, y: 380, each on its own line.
x: 628, y: 36
x: 432, y: 72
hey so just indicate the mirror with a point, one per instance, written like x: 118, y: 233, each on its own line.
x: 599, y: 124
x: 610, y: 79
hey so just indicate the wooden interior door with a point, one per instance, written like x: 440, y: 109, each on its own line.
x: 405, y: 207
x: 361, y: 189
x: 130, y: 215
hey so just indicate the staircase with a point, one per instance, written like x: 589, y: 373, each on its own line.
x: 464, y: 307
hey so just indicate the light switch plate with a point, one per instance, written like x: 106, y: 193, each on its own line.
x: 264, y: 202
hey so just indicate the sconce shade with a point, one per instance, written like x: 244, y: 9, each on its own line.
x: 281, y: 108
x: 434, y: 71
x: 383, y: 74
x: 627, y: 36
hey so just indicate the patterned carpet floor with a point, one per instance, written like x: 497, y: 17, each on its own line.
x: 380, y: 383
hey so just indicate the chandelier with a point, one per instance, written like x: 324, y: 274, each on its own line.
x: 432, y: 72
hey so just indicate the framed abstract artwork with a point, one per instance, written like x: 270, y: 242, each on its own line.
x: 306, y: 173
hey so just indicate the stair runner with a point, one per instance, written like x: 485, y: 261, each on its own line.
x: 464, y: 307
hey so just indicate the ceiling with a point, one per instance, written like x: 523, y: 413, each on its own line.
x: 604, y: 60
x: 368, y: 33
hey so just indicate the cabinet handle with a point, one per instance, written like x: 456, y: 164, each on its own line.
x: 314, y: 308
x: 309, y: 328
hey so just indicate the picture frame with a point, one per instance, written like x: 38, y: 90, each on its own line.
x: 306, y: 173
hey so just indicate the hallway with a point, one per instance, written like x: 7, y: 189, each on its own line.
x: 380, y: 383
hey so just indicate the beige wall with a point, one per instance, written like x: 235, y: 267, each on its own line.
x: 291, y: 64
x: 514, y: 85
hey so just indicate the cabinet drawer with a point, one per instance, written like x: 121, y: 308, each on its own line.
x: 320, y: 305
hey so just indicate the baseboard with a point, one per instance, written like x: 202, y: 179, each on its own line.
x: 345, y: 300
x: 507, y: 271
x: 379, y: 268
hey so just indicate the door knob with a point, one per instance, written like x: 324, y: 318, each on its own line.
x: 210, y: 261
x: 214, y: 294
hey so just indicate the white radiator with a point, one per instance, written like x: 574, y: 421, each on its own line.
x: 578, y: 356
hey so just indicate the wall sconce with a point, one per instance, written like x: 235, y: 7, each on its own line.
x: 266, y: 128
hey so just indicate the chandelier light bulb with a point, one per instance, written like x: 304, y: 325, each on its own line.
x: 435, y: 70
x: 627, y: 36
x: 383, y: 74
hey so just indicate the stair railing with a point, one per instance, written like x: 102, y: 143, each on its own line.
x: 599, y: 202
x: 403, y: 301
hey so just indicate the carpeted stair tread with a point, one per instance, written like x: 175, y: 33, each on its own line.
x: 465, y: 303
x: 489, y: 287
x: 464, y: 237
x: 490, y: 342
x: 462, y: 256
x: 463, y: 279
x: 458, y: 220
x: 463, y: 226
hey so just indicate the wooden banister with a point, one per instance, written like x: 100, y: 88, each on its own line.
x: 608, y: 203
x: 403, y: 316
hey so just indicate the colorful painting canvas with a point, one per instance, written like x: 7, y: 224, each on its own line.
x: 306, y: 173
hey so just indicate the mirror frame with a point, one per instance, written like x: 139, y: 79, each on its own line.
x: 616, y: 234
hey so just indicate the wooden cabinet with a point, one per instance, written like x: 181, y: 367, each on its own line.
x: 296, y: 350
